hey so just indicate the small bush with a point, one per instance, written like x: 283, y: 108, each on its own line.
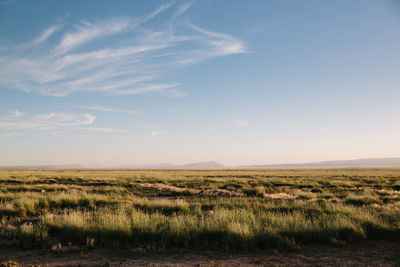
x: 260, y: 191
x: 9, y: 264
x: 33, y: 234
x: 249, y: 191
x: 363, y: 201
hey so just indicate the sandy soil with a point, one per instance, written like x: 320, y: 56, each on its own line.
x: 366, y: 254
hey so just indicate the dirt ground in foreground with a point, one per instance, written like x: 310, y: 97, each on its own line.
x: 365, y: 254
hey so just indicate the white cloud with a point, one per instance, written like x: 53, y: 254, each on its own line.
x: 55, y: 123
x: 156, y: 12
x: 88, y: 32
x: 182, y: 9
x: 145, y: 89
x: 217, y: 45
x: 46, y: 34
x: 114, y: 110
x: 123, y: 57
x: 103, y: 130
x: 48, y: 121
x: 155, y: 134
x: 41, y: 38
x: 17, y: 113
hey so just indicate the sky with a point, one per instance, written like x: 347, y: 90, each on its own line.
x: 109, y: 83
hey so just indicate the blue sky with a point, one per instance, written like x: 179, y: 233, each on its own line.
x: 107, y: 83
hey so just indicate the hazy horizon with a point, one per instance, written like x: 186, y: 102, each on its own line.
x: 151, y: 82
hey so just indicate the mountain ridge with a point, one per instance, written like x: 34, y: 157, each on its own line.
x: 353, y: 163
x: 333, y: 164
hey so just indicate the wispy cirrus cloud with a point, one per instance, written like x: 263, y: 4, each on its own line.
x: 17, y: 113
x: 116, y: 56
x: 113, y: 110
x: 87, y: 32
x: 102, y: 130
x: 217, y: 45
x: 159, y: 10
x: 41, y: 38
x: 156, y: 134
x: 41, y: 122
x: 182, y: 9
x: 56, y: 122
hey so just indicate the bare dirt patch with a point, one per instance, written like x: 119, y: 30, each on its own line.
x: 280, y: 196
x: 367, y: 254
x: 171, y: 188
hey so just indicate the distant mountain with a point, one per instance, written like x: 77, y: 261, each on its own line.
x: 42, y: 167
x: 203, y: 165
x: 196, y: 165
x: 152, y: 166
x: 355, y: 163
x: 336, y: 164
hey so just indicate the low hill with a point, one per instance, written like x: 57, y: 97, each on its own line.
x: 356, y: 163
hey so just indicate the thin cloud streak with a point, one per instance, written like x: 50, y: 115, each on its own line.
x: 102, y: 130
x: 46, y: 34
x: 88, y: 32
x: 48, y: 121
x: 17, y: 113
x: 113, y: 110
x: 182, y: 9
x: 41, y: 38
x: 155, y: 134
x: 137, y: 65
x: 146, y: 89
x: 156, y: 12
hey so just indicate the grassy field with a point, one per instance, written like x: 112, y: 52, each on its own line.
x: 228, y: 210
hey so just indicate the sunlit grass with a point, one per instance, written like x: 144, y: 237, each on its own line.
x: 199, y: 209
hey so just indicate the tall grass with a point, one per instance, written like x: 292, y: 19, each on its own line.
x: 287, y: 226
x: 227, y: 209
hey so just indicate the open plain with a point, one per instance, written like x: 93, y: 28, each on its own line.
x: 189, y: 217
